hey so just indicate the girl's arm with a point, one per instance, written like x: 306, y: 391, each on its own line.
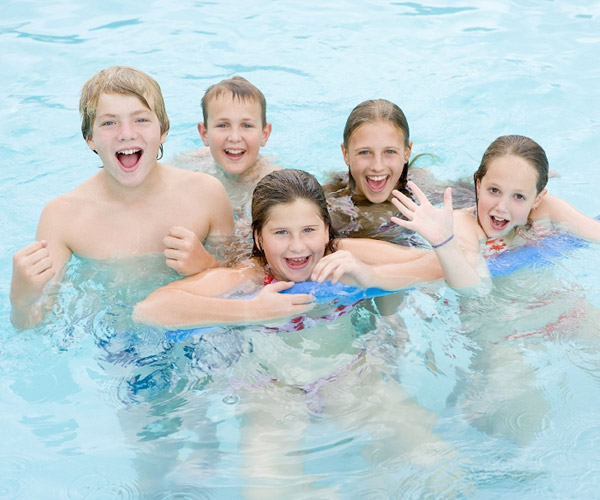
x: 437, y: 227
x: 195, y: 301
x: 349, y: 268
x: 372, y: 251
x: 565, y: 214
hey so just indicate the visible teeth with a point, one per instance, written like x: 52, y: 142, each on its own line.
x: 298, y: 259
x: 128, y: 151
x: 376, y: 178
x: 234, y: 151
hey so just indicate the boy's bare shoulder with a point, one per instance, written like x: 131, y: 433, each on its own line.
x: 80, y: 196
x: 188, y: 179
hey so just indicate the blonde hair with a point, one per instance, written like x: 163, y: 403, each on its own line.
x: 122, y: 80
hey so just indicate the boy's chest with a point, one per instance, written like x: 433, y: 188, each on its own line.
x: 122, y: 233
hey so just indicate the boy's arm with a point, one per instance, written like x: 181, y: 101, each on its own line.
x: 184, y: 250
x: 192, y: 302
x: 34, y: 266
x: 221, y: 211
x: 563, y: 213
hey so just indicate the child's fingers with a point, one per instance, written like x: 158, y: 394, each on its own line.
x: 448, y: 199
x: 401, y: 222
x: 301, y: 298
x: 404, y: 200
x: 279, y: 286
x: 185, y: 244
x: 419, y: 195
x: 180, y: 232
x: 406, y: 212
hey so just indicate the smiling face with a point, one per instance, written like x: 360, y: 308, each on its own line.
x: 293, y: 239
x: 126, y: 135
x: 506, y: 195
x: 376, y: 156
x: 234, y: 132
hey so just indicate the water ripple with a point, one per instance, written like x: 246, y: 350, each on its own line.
x: 183, y: 493
x: 94, y: 486
x: 15, y: 472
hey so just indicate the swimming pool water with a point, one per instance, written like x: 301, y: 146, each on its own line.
x: 92, y: 407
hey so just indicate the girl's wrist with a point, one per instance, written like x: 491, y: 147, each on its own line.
x: 448, y: 240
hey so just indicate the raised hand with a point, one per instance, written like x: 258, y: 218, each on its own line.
x: 434, y: 224
x: 32, y: 270
x: 185, y: 253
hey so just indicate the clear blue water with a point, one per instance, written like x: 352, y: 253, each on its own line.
x: 91, y: 407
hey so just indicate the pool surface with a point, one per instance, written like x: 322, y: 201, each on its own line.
x: 449, y: 397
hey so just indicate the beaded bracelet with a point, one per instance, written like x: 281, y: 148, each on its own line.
x: 443, y: 242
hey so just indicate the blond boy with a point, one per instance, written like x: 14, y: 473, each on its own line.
x: 134, y: 205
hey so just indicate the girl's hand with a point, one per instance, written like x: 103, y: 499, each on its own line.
x: 341, y: 264
x: 434, y: 224
x: 271, y: 304
x: 185, y: 253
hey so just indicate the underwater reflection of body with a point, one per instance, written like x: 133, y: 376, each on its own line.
x: 156, y: 388
x: 330, y: 380
x: 282, y: 390
x: 502, y: 393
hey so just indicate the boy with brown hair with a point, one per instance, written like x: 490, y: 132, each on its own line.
x: 234, y: 128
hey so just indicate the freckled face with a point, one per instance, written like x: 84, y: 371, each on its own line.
x: 506, y: 195
x: 376, y: 155
x: 234, y: 132
x: 294, y: 239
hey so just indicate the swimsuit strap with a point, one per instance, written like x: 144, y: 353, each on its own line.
x: 268, y: 276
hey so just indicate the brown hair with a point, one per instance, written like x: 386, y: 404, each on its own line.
x: 122, y: 80
x: 240, y: 89
x: 378, y: 110
x: 286, y: 186
x: 516, y: 145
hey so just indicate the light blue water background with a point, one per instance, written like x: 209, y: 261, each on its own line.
x: 464, y: 73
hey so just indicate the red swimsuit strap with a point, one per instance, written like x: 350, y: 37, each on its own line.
x: 268, y: 277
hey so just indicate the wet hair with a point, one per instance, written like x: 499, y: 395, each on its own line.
x: 239, y: 88
x: 281, y: 187
x: 516, y: 145
x: 122, y: 80
x: 373, y: 111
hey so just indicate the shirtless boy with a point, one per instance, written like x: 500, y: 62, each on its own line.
x: 234, y: 128
x: 134, y: 205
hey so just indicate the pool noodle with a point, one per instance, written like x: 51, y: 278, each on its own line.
x: 535, y: 255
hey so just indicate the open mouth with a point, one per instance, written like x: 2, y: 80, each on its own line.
x: 297, y: 262
x: 129, y: 158
x: 498, y: 223
x: 377, y: 183
x: 234, y: 154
